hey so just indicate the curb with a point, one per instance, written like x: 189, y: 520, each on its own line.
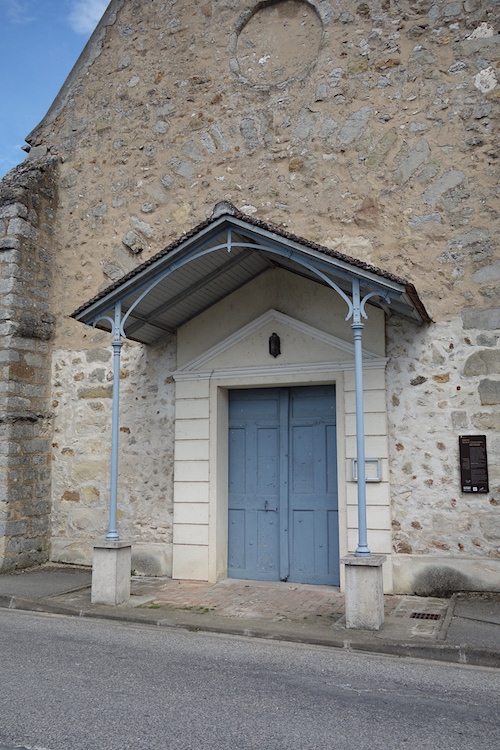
x: 463, y: 654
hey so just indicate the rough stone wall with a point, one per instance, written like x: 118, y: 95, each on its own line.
x: 82, y: 393
x: 441, y: 384
x: 383, y: 143
x: 376, y: 136
x: 28, y: 201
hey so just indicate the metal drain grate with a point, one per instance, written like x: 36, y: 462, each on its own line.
x: 424, y: 616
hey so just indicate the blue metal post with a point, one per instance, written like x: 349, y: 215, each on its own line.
x: 357, y: 327
x: 112, y: 534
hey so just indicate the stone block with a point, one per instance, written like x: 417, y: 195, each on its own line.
x: 191, y: 429
x: 417, y: 156
x: 11, y: 210
x: 378, y: 517
x: 111, y: 573
x: 37, y: 446
x: 21, y: 544
x: 39, y: 460
x: 98, y: 391
x: 12, y: 528
x: 191, y: 471
x: 98, y: 355
x: 43, y: 489
x: 33, y: 326
x: 486, y: 362
x: 74, y: 552
x: 375, y: 446
x: 133, y: 242
x: 21, y: 227
x: 380, y: 539
x: 488, y: 273
x: 248, y: 130
x: 19, y: 492
x: 190, y: 562
x: 193, y: 408
x: 447, y: 182
x: 192, y: 450
x: 489, y: 391
x: 364, y: 592
x: 34, y: 360
x: 150, y: 559
x: 355, y: 125
x: 459, y: 420
x: 375, y: 424
x: 22, y: 430
x: 486, y: 421
x: 37, y: 152
x: 9, y: 448
x: 191, y: 492
x: 190, y: 534
x: 143, y: 226
x: 39, y: 525
x: 490, y: 524
x: 487, y: 320
x: 191, y: 513
x: 90, y: 471
x: 192, y: 389
x: 37, y: 508
x: 417, y: 222
x: 9, y: 243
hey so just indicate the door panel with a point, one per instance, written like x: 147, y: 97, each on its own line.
x: 313, y: 486
x: 283, y: 519
x: 254, y: 484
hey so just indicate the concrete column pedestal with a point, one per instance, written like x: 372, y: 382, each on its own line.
x: 111, y: 573
x: 364, y: 592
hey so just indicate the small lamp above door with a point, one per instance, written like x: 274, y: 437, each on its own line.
x: 274, y: 345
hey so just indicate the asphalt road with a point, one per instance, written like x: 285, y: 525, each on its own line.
x: 70, y: 684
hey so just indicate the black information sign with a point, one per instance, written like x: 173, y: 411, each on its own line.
x: 473, y: 463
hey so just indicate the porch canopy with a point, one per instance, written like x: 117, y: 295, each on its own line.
x: 221, y: 255
x: 212, y: 261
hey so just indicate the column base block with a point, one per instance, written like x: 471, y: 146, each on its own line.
x: 364, y: 592
x: 111, y: 573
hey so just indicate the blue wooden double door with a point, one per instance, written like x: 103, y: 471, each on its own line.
x: 283, y: 503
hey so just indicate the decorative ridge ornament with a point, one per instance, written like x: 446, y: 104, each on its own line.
x: 224, y: 207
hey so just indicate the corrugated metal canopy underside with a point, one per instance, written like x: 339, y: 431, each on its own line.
x: 221, y: 256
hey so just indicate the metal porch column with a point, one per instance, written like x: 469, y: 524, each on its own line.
x: 357, y: 326
x: 117, y: 344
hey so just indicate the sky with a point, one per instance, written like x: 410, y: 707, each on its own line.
x: 40, y: 41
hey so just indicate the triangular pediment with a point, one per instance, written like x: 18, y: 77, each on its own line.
x: 301, y: 345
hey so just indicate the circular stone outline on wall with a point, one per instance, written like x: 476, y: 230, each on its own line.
x: 275, y: 42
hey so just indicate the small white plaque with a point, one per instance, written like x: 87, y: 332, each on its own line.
x: 373, y: 469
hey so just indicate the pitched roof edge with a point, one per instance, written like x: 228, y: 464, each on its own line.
x: 89, y: 54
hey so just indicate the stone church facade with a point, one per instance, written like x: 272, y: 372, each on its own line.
x: 366, y: 132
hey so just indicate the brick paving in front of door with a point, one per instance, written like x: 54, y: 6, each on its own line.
x: 263, y: 600
x: 406, y: 617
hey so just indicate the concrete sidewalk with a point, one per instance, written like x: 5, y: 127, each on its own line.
x: 464, y: 629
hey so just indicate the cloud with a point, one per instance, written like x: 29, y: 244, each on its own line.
x: 86, y: 14
x: 18, y: 12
